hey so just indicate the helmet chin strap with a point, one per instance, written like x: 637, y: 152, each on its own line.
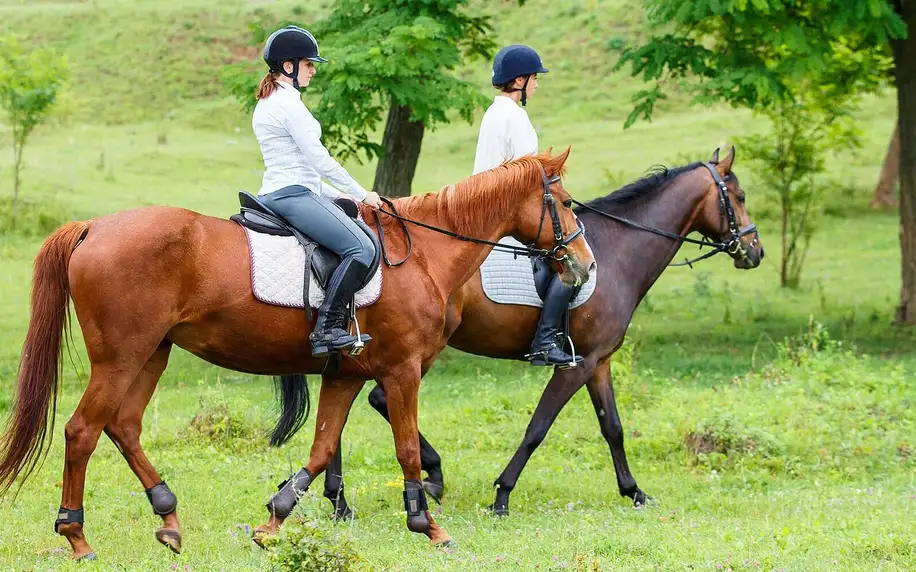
x: 524, y: 90
x: 293, y: 76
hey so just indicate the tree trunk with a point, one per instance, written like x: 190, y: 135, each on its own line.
x: 905, y: 65
x: 18, y: 147
x: 884, y: 190
x: 401, y: 150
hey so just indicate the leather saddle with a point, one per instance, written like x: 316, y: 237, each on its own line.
x: 258, y: 217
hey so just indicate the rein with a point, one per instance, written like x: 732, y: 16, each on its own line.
x: 528, y: 251
x: 727, y: 214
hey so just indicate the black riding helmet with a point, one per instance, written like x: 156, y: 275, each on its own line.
x: 294, y: 44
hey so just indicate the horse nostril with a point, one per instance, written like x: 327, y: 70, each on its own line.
x: 593, y: 265
x: 761, y: 253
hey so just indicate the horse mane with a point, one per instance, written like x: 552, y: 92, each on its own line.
x: 484, y: 198
x: 655, y: 181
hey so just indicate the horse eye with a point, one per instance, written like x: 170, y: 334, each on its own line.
x: 741, y: 199
x: 567, y: 203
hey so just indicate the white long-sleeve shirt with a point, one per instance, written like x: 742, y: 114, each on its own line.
x: 290, y: 140
x: 505, y: 133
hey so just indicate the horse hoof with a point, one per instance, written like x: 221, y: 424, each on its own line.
x: 342, y: 514
x: 501, y: 510
x: 262, y: 537
x: 446, y: 544
x: 434, y: 490
x: 170, y: 538
x: 641, y: 499
x: 91, y: 557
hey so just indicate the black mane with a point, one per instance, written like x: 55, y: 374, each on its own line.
x: 656, y: 180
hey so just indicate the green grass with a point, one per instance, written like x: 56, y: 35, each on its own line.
x: 828, y: 484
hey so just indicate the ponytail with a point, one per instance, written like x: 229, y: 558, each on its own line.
x: 267, y: 86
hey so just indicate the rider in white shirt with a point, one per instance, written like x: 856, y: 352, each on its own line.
x: 506, y: 133
x: 295, y: 162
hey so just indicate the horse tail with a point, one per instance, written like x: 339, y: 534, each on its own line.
x: 23, y: 443
x: 293, y: 393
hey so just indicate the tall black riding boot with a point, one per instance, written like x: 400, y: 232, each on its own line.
x: 547, y: 348
x: 330, y: 334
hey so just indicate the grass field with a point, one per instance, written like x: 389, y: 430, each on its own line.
x: 803, y: 398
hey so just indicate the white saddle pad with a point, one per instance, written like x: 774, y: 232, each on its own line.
x: 509, y: 280
x: 278, y: 273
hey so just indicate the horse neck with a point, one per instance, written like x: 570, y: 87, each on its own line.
x: 641, y: 255
x: 486, y: 212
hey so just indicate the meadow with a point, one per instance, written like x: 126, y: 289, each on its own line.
x: 774, y: 428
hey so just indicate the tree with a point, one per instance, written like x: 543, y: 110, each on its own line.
x: 29, y: 84
x: 883, y: 194
x: 805, y: 127
x: 748, y: 53
x: 392, y: 59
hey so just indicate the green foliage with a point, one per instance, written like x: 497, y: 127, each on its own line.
x: 313, y: 546
x: 31, y: 219
x: 805, y: 128
x: 383, y: 53
x: 718, y: 442
x: 221, y: 423
x: 751, y: 53
x: 30, y: 81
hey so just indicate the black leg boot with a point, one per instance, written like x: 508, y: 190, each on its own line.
x: 546, y: 348
x: 330, y: 334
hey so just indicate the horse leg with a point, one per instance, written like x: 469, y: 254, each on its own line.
x: 601, y: 389
x: 401, y: 388
x: 561, y: 387
x: 334, y: 486
x: 334, y: 403
x: 430, y: 461
x: 124, y: 430
x: 108, y: 384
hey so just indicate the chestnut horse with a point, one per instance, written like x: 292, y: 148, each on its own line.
x: 145, y: 279
x: 630, y: 260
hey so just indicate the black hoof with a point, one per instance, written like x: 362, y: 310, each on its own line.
x: 499, y: 510
x: 434, y: 490
x: 342, y: 513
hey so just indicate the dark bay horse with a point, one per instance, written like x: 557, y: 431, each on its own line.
x: 146, y: 279
x: 630, y: 260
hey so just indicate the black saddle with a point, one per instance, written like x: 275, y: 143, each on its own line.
x: 260, y: 218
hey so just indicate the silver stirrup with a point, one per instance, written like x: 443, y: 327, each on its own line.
x: 572, y: 364
x: 358, y: 347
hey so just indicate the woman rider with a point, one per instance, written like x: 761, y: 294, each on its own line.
x: 295, y: 161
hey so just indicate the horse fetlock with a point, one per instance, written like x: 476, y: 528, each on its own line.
x: 289, y: 491
x: 162, y: 499
x: 69, y: 522
x: 416, y: 507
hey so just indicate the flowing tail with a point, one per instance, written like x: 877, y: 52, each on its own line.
x: 293, y: 394
x: 23, y: 443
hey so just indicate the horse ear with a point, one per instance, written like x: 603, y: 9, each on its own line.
x: 559, y: 161
x: 726, y: 164
x: 715, y: 157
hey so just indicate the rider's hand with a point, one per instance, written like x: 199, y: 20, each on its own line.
x: 373, y: 200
